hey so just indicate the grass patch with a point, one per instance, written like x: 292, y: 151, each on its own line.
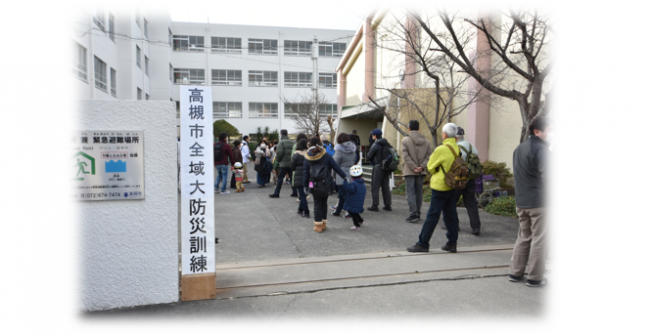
x: 503, y: 206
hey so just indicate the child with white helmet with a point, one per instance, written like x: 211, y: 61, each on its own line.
x: 354, y: 194
x: 238, y: 171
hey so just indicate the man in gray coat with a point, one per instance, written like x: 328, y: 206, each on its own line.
x: 530, y: 166
x: 416, y: 151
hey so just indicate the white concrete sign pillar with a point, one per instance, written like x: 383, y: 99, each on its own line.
x: 198, y: 280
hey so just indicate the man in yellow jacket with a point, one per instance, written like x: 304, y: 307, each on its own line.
x: 442, y: 196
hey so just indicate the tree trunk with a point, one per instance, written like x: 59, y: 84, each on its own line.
x: 434, y: 137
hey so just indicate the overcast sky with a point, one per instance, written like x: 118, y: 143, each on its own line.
x: 330, y: 14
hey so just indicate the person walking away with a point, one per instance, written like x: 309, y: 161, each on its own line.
x: 316, y: 177
x: 380, y: 178
x: 354, y: 194
x: 237, y: 155
x: 293, y: 150
x: 222, y: 154
x: 344, y: 153
x: 357, y: 142
x: 262, y: 154
x: 297, y: 167
x: 416, y: 151
x: 468, y: 150
x: 246, y: 157
x: 283, y: 157
x: 530, y: 166
x: 442, y: 195
x: 239, y: 176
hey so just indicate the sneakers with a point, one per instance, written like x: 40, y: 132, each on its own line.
x: 449, y: 248
x: 355, y: 228
x: 274, y: 196
x: 287, y: 182
x: 387, y: 208
x: 476, y: 231
x: 535, y: 284
x: 294, y: 195
x: 373, y: 208
x: 336, y: 214
x: 225, y: 192
x: 305, y: 214
x: 333, y: 207
x: 412, y: 219
x: 348, y: 216
x: 417, y: 248
x: 513, y: 278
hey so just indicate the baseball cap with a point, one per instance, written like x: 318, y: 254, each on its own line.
x: 376, y: 132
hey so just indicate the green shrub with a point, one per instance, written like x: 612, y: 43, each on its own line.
x: 400, y: 190
x: 223, y: 126
x: 503, y: 206
x: 498, y: 170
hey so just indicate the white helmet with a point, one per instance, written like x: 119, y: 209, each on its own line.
x: 238, y: 165
x: 356, y: 171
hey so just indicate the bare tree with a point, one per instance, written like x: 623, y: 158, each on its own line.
x: 431, y: 98
x: 310, y: 112
x: 521, y: 45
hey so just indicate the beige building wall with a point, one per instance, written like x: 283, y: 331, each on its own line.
x: 354, y: 84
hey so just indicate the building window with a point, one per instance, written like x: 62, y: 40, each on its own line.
x: 171, y: 71
x: 170, y: 36
x: 139, y: 94
x: 100, y: 74
x: 79, y: 62
x: 226, y: 109
x: 113, y: 82
x: 331, y: 49
x: 137, y: 17
x: 297, y: 79
x: 111, y: 27
x: 263, y: 78
x: 262, y: 46
x: 328, y: 110
x: 146, y: 65
x: 99, y: 19
x: 147, y: 97
x: 226, y: 45
x: 292, y: 110
x: 146, y: 35
x: 262, y: 110
x: 226, y: 77
x: 189, y: 76
x: 327, y: 80
x: 188, y: 43
x: 297, y: 48
x: 138, y: 55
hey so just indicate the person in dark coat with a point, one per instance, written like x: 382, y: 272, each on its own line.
x: 316, y: 155
x: 380, y: 178
x: 297, y: 168
x: 354, y: 194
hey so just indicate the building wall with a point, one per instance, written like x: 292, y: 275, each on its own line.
x: 355, y: 78
x: 129, y: 248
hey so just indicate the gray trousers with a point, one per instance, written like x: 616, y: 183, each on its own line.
x: 471, y: 204
x: 414, y: 193
x: 380, y: 179
x: 530, y: 247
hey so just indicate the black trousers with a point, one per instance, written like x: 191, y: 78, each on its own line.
x: 320, y: 209
x: 356, y: 219
x: 278, y: 186
x: 471, y: 204
x: 380, y: 179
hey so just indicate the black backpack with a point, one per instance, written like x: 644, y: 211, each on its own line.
x: 218, y: 155
x: 319, y: 176
x: 390, y: 158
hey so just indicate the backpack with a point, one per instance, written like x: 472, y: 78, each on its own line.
x: 319, y: 176
x: 390, y: 159
x: 456, y: 177
x: 218, y: 155
x: 474, y: 166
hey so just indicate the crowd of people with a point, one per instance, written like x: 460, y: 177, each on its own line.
x: 316, y: 167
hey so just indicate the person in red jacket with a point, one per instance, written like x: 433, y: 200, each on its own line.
x: 222, y: 151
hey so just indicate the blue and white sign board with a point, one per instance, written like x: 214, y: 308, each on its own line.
x: 197, y: 181
x: 107, y: 165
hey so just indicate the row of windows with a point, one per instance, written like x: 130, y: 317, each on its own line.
x: 255, y: 78
x: 101, y: 79
x: 265, y: 109
x: 255, y: 46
